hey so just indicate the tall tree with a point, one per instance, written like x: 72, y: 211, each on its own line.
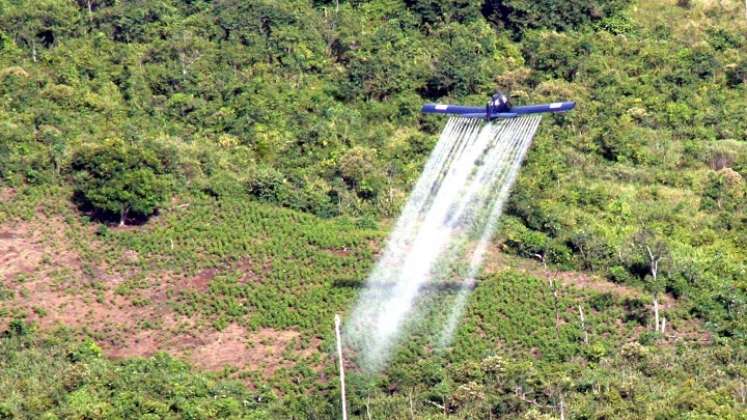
x: 122, y: 179
x: 39, y: 24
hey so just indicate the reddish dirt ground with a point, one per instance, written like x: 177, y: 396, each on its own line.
x: 50, y: 287
x: 19, y: 251
x: 7, y: 194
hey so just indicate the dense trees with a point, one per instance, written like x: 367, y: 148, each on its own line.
x: 123, y: 179
x: 520, y: 15
x: 39, y: 27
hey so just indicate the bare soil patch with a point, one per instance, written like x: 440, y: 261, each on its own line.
x: 201, y: 281
x: 251, y: 273
x: 7, y: 194
x: 338, y: 252
x: 29, y: 247
x: 18, y: 252
x: 56, y: 292
x: 234, y: 346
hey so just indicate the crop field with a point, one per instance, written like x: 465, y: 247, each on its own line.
x: 207, y: 283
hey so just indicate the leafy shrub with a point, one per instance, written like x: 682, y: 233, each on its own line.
x: 602, y: 301
x: 725, y: 190
x: 358, y: 167
x: 531, y: 244
x: 466, y: 61
x: 224, y: 184
x: 636, y: 310
x: 388, y: 63
x: 592, y: 249
x: 737, y: 74
x: 619, y: 274
x: 433, y: 12
x: 88, y: 349
x: 648, y: 338
x: 722, y: 38
x: 269, y: 185
x: 19, y: 328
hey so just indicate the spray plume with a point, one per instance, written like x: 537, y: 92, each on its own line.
x: 442, y: 234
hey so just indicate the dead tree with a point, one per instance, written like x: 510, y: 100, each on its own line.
x: 188, y: 53
x: 583, y: 324
x: 655, y: 251
x: 551, y: 281
x: 654, y: 260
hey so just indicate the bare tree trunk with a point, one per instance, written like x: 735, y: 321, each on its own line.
x: 390, y: 188
x: 557, y: 311
x: 368, y: 407
x: 562, y: 407
x: 182, y: 61
x: 654, y: 273
x: 663, y: 324
x: 90, y: 10
x: 412, y: 407
x: 583, y: 324
x: 33, y: 50
x: 122, y: 217
x: 553, y: 286
x: 656, y: 313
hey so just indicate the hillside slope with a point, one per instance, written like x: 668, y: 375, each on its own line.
x: 276, y: 142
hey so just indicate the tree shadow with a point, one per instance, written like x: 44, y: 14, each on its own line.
x: 444, y: 286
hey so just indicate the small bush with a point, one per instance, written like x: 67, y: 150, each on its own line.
x: 619, y: 274
x: 268, y: 185
x: 19, y: 328
x: 88, y: 349
x: 602, y: 301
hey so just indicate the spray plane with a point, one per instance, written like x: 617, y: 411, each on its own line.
x: 498, y: 107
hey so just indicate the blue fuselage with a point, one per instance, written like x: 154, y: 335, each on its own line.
x: 492, y: 112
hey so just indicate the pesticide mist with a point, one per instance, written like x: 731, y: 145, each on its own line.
x: 439, y: 241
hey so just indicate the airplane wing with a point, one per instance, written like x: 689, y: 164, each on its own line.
x: 538, y: 108
x: 452, y: 109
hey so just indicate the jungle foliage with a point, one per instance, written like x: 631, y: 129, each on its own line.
x: 288, y: 131
x: 120, y: 178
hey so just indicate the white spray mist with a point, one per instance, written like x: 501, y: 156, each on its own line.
x: 449, y: 218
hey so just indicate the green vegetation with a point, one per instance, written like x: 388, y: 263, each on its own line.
x: 521, y: 15
x: 57, y: 377
x: 276, y: 141
x: 121, y: 179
